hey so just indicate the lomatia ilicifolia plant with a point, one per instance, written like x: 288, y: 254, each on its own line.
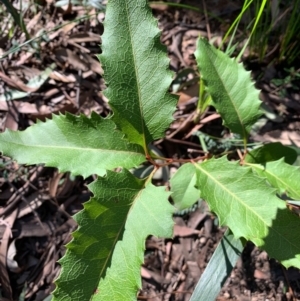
x: 104, y: 258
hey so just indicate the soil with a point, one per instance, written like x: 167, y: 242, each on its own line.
x: 37, y: 202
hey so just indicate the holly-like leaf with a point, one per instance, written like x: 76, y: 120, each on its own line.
x: 184, y: 193
x: 230, y: 87
x: 249, y: 206
x: 151, y: 214
x: 78, y: 144
x: 101, y: 224
x: 136, y: 71
x: 271, y: 152
x: 284, y: 177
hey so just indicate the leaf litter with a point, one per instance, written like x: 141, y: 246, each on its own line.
x: 36, y: 203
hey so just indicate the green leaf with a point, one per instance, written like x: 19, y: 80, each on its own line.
x: 218, y: 269
x: 284, y: 177
x: 151, y: 214
x: 80, y: 145
x: 229, y: 84
x: 101, y: 224
x: 184, y: 193
x: 271, y: 152
x: 18, y: 18
x: 245, y: 203
x: 136, y: 71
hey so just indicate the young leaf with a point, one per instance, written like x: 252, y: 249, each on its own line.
x: 135, y: 70
x: 271, y: 152
x: 230, y: 87
x: 245, y: 203
x: 101, y: 224
x: 81, y: 145
x: 284, y: 177
x: 151, y: 214
x: 184, y: 193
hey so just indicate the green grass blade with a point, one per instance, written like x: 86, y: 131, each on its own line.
x: 235, y: 23
x: 218, y: 269
x: 258, y: 17
x: 17, y: 17
x: 186, y: 6
x: 40, y: 36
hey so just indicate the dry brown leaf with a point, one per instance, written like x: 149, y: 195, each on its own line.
x: 16, y: 83
x: 147, y: 274
x: 196, y: 218
x: 68, y: 27
x: 46, y: 111
x: 94, y: 64
x: 23, y: 58
x: 54, y: 182
x: 34, y: 22
x: 261, y: 275
x: 12, y: 118
x: 183, y: 231
x: 6, y: 290
x: 12, y: 264
x: 27, y: 108
x: 67, y: 56
x: 84, y: 37
x: 188, y: 93
x: 160, y: 7
x: 70, y: 78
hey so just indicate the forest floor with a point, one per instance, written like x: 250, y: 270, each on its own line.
x: 59, y: 73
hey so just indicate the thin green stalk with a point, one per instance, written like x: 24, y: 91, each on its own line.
x: 16, y: 49
x: 203, y: 101
x: 186, y: 6
x: 179, y: 5
x: 236, y: 21
x: 292, y: 28
x: 17, y: 17
x: 262, y: 6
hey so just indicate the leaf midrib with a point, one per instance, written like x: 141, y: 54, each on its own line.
x: 235, y: 197
x: 228, y: 93
x: 270, y: 228
x: 136, y: 75
x: 76, y: 148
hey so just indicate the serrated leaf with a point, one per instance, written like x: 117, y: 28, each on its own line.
x: 271, y: 152
x: 136, y: 71
x: 230, y: 87
x: 284, y: 177
x: 184, y: 193
x: 151, y: 214
x: 101, y: 225
x: 218, y: 269
x: 78, y: 144
x: 245, y: 203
